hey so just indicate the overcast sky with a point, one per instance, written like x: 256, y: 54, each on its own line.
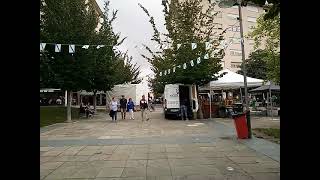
x: 133, y: 23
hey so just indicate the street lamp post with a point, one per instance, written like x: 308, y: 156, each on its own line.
x: 227, y: 4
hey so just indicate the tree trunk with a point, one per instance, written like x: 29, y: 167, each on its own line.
x: 69, y: 99
x: 94, y: 100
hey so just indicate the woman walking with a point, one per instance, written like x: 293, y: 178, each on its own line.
x: 113, y: 109
x: 130, y: 107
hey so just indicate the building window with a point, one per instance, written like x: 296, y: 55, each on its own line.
x: 233, y: 16
x: 252, y: 9
x: 217, y: 26
x: 235, y: 64
x: 234, y: 28
x: 234, y: 52
x: 252, y: 19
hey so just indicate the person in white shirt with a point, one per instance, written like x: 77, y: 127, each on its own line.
x: 113, y: 109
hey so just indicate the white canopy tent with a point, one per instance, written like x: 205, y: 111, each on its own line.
x: 232, y: 80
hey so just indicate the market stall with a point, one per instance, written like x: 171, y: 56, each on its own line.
x: 227, y: 91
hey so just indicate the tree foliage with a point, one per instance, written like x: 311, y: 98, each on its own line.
x: 256, y: 64
x: 267, y: 34
x: 186, y: 23
x: 272, y: 11
x: 75, y: 22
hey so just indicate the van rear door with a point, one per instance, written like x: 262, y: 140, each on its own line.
x: 171, y: 95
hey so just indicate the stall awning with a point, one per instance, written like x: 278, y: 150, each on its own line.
x: 232, y: 80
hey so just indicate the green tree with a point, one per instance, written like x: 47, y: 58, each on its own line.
x: 273, y: 9
x: 92, y: 69
x: 186, y: 23
x: 66, y: 22
x: 267, y: 35
x: 256, y: 64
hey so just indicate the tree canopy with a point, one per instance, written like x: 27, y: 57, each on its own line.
x: 186, y: 23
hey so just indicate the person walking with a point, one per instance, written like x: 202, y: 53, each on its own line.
x: 144, y: 108
x: 123, y: 107
x: 113, y: 109
x: 130, y: 107
x: 184, y: 109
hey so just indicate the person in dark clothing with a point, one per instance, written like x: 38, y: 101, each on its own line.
x: 123, y: 107
x: 130, y: 107
x: 144, y: 108
x: 184, y: 109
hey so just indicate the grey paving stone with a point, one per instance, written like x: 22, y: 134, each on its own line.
x: 159, y: 178
x: 134, y: 172
x: 71, y: 158
x: 110, y: 163
x: 257, y: 168
x: 157, y: 155
x: 158, y: 171
x: 86, y: 172
x: 87, y: 152
x: 138, y: 156
x: 50, y: 165
x: 136, y: 163
x: 51, y: 153
x: 110, y: 172
x: 265, y: 176
x: 46, y: 148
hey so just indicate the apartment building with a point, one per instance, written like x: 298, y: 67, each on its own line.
x: 227, y: 18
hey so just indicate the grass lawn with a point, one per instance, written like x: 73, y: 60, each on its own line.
x: 55, y: 114
x: 272, y: 134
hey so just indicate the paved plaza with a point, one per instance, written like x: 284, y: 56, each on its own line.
x: 155, y: 150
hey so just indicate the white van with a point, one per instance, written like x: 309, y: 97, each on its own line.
x: 174, y: 94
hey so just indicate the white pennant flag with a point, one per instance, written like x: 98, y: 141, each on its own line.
x: 72, y: 48
x: 42, y: 46
x: 193, y: 45
x: 208, y: 45
x: 165, y: 72
x: 206, y: 56
x: 169, y: 70
x: 57, y: 48
x: 198, y: 60
x: 174, y: 69
x: 179, y: 66
x: 185, y: 66
x: 191, y: 63
x: 160, y: 73
x: 178, y: 46
x: 100, y: 46
x: 85, y: 46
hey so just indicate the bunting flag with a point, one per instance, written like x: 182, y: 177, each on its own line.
x: 206, y: 56
x: 169, y: 71
x: 165, y: 72
x: 198, y: 60
x: 208, y: 45
x: 179, y: 66
x: 160, y: 73
x: 174, y: 69
x: 72, y: 49
x: 178, y: 46
x: 185, y: 66
x: 100, y: 46
x: 42, y: 46
x: 57, y: 48
x: 193, y: 46
x: 85, y: 46
x: 191, y: 63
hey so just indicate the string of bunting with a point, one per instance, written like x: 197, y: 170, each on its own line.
x: 72, y: 47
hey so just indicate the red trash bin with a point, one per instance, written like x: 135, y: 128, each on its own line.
x: 241, y: 125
